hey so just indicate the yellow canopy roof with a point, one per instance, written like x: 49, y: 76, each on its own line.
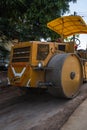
x: 68, y: 25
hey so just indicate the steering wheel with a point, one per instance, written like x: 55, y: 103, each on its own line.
x: 77, y: 41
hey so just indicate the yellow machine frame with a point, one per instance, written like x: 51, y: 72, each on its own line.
x: 31, y: 63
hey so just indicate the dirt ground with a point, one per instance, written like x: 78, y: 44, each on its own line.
x: 57, y: 120
x: 35, y: 111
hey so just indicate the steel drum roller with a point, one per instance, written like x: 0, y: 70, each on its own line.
x: 66, y: 75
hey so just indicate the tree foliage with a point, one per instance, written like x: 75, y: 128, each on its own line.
x: 27, y: 19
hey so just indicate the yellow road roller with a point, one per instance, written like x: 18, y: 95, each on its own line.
x: 57, y: 66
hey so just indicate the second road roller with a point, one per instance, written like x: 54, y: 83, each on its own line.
x: 59, y: 66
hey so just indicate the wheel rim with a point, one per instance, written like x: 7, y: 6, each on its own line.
x: 71, y: 75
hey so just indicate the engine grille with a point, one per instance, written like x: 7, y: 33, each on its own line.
x: 42, y: 51
x: 21, y: 54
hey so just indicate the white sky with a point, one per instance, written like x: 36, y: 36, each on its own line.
x: 81, y: 8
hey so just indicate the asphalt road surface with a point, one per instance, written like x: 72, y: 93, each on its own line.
x: 78, y: 120
x: 36, y: 111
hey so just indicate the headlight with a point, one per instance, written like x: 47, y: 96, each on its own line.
x: 40, y: 65
x: 6, y: 65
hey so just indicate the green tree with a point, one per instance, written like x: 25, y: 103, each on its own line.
x: 27, y: 19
